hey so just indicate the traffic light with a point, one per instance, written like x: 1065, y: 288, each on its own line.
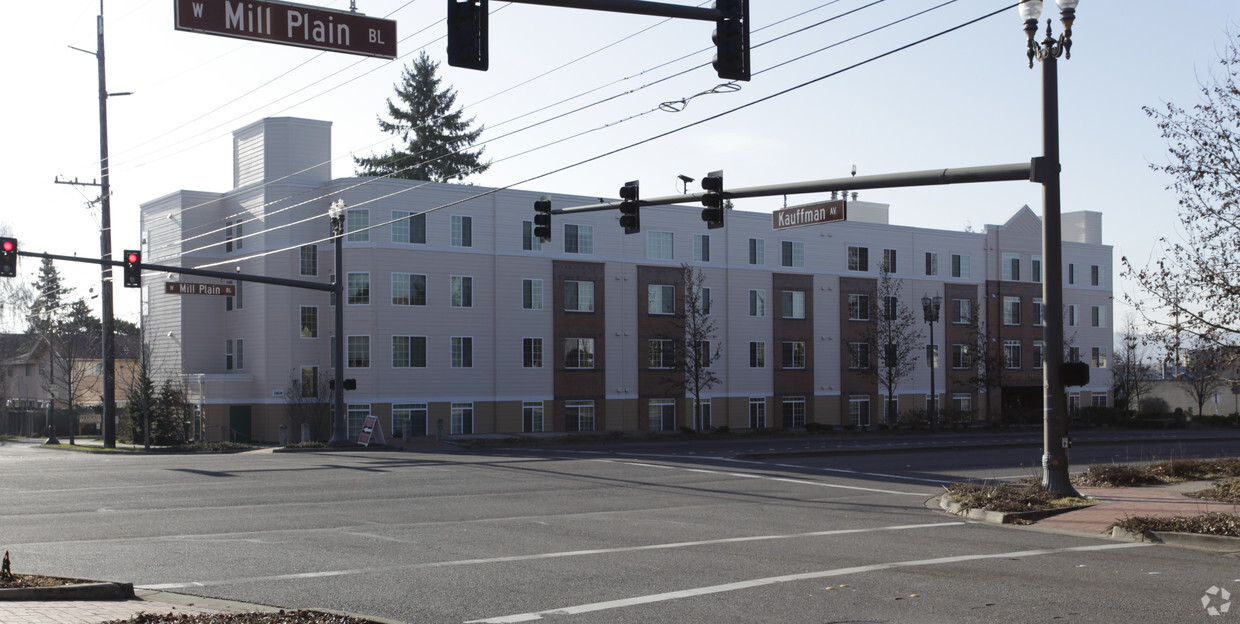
x: 467, y: 34
x: 8, y: 257
x: 542, y: 218
x: 713, y: 199
x: 630, y: 220
x: 731, y: 39
x: 133, y: 269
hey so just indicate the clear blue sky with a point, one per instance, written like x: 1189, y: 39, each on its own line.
x: 964, y: 99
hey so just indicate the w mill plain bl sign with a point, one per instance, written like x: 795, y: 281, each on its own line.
x: 290, y: 24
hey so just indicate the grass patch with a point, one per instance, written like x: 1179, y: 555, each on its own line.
x: 1213, y: 523
x: 1156, y: 473
x: 1009, y: 497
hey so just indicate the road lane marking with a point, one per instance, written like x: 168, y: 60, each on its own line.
x: 772, y: 580
x: 745, y: 475
x: 552, y: 555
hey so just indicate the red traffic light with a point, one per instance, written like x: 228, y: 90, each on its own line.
x: 8, y: 245
x: 131, y: 257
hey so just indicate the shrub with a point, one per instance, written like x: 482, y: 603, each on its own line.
x: 1154, y: 405
x: 1007, y: 497
x: 1213, y: 523
x: 1226, y: 491
x: 1116, y: 475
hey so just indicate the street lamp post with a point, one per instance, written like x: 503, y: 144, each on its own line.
x: 340, y: 426
x: 930, y: 306
x: 1046, y: 170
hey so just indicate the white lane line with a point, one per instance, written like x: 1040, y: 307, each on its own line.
x: 553, y: 555
x: 745, y: 475
x: 771, y: 580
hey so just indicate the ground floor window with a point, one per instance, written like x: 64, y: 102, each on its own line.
x: 1074, y: 404
x: 357, y: 417
x: 531, y: 416
x: 411, y: 414
x: 891, y: 410
x: 1098, y: 400
x: 963, y: 406
x: 462, y: 418
x: 662, y: 414
x: 701, y: 415
x: 757, y: 413
x: 579, y: 415
x: 859, y: 411
x: 794, y: 412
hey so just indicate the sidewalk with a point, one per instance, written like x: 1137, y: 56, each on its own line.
x: 95, y: 611
x: 1118, y: 503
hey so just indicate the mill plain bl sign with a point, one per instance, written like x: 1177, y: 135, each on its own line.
x: 289, y: 24
x: 195, y: 288
x: 810, y: 214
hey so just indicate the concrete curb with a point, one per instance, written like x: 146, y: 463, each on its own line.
x: 1001, y: 517
x: 80, y: 591
x: 1195, y: 541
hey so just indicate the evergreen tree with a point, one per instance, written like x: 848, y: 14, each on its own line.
x: 437, y: 137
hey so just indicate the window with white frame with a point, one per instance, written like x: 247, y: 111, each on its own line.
x: 578, y: 239
x: 462, y: 287
x: 462, y: 231
x: 661, y: 353
x: 531, y: 416
x: 309, y: 257
x: 228, y: 355
x: 529, y: 242
x: 1097, y: 275
x: 859, y: 411
x: 792, y: 254
x: 793, y: 304
x: 309, y: 321
x: 794, y: 411
x: 578, y: 353
x: 960, y: 265
x: 1038, y: 311
x: 309, y: 382
x: 932, y: 263
x: 757, y: 303
x: 1097, y: 316
x: 1038, y: 353
x: 962, y: 404
x: 358, y: 353
x: 1072, y: 273
x: 891, y: 308
x: 531, y: 352
x: 757, y: 251
x: 412, y: 415
x: 1011, y: 267
x: 660, y: 299
x: 662, y: 414
x: 757, y: 354
x: 356, y: 415
x: 701, y: 296
x: 1098, y: 399
x: 357, y: 224
x: 358, y: 289
x: 705, y: 356
x: 1073, y: 315
x: 660, y: 245
x: 462, y: 418
x: 531, y: 294
x: 578, y: 296
x: 701, y: 248
x: 793, y: 354
x: 757, y: 413
x: 889, y: 261
x: 1074, y: 354
x: 858, y: 258
x: 1035, y: 269
x: 1011, y: 310
x: 962, y: 311
x: 962, y: 356
x: 408, y: 289
x: 1100, y: 357
x: 858, y: 307
x: 462, y: 352
x: 858, y: 355
x: 408, y: 351
x: 579, y: 415
x: 408, y: 228
x: 1011, y: 353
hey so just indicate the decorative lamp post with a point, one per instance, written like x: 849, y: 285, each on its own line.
x: 340, y: 423
x: 931, y: 307
x: 1046, y: 171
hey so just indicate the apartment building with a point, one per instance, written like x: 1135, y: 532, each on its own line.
x: 458, y: 320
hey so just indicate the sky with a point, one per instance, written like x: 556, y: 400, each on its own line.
x: 566, y: 88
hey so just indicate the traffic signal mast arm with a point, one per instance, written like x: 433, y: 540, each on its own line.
x: 932, y: 177
x: 161, y: 268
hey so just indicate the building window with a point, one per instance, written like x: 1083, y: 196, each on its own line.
x: 1035, y: 269
x: 757, y: 251
x: 859, y: 411
x: 229, y: 302
x: 355, y: 417
x: 757, y: 303
x: 793, y: 354
x: 757, y: 354
x: 1098, y: 400
x: 963, y: 405
x: 1074, y: 354
x: 412, y: 415
x: 1073, y: 317
x: 228, y: 355
x: 1072, y: 273
x: 531, y: 416
x: 1037, y: 312
x: 358, y: 288
x: 240, y: 354
x: 462, y: 352
x: 662, y: 414
x: 408, y: 351
x: 1011, y: 267
x: 702, y: 296
x: 408, y: 289
x: 932, y: 263
x: 228, y: 236
x: 960, y: 265
x: 1074, y: 404
x: 1038, y: 354
x: 889, y: 260
x: 309, y: 382
x: 529, y: 242
x: 1011, y: 353
x: 701, y: 248
x: 705, y: 356
x: 858, y: 355
x: 358, y: 352
x: 792, y: 254
x: 578, y: 353
x: 309, y: 259
x: 357, y: 224
x: 1097, y: 316
x: 793, y: 304
x: 579, y: 415
x: 891, y: 308
x: 578, y: 239
x: 858, y: 307
x: 462, y: 231
x: 309, y: 322
x: 531, y: 294
x: 757, y: 413
x: 659, y: 245
x: 962, y: 356
x: 858, y: 258
x: 1011, y: 310
x: 462, y: 291
x: 661, y: 299
x: 1100, y: 357
x: 962, y: 311
x: 794, y: 412
x: 462, y: 418
x: 408, y: 227
x: 662, y: 353
x: 531, y: 352
x: 578, y: 296
x: 1097, y: 275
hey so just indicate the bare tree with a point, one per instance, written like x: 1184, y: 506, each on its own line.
x: 1191, y: 284
x: 307, y: 400
x: 895, y: 335
x: 1131, y: 375
x: 1201, y: 380
x: 693, y: 336
x: 986, y: 360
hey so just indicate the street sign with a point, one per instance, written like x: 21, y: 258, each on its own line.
x: 193, y: 288
x: 289, y: 24
x: 810, y: 214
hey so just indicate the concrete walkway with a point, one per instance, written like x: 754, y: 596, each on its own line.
x: 1119, y: 503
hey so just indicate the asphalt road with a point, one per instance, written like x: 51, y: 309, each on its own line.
x: 645, y: 534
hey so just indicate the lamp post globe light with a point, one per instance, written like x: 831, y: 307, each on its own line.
x: 340, y: 422
x: 1046, y: 170
x: 930, y: 306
